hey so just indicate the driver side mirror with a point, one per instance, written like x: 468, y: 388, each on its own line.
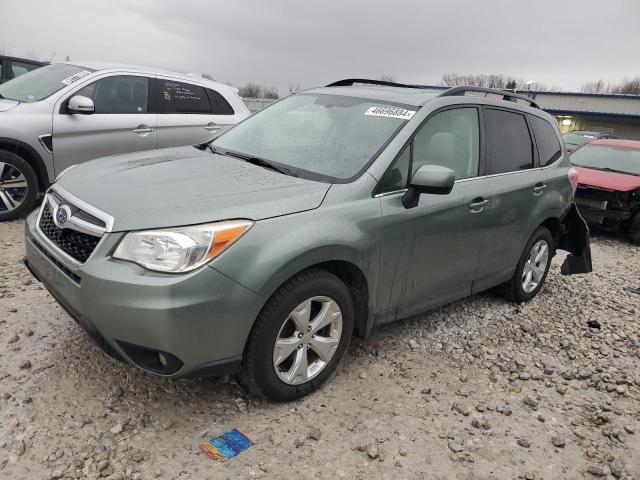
x: 432, y: 179
x: 81, y: 105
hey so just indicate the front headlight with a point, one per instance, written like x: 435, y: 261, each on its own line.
x: 180, y: 249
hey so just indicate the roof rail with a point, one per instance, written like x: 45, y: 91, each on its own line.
x: 505, y: 94
x: 349, y: 82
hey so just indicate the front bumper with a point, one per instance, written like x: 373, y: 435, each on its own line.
x: 199, y: 321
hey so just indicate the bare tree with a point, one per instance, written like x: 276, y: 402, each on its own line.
x: 208, y: 76
x: 490, y: 80
x: 387, y: 78
x: 250, y: 90
x: 294, y: 87
x: 270, y: 92
x: 629, y: 86
x: 597, y: 86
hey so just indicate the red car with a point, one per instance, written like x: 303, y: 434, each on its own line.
x: 608, y: 194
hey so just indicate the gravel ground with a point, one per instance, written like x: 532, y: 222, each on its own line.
x: 480, y: 389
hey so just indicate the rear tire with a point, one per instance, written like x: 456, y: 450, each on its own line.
x: 18, y: 186
x: 283, y: 340
x: 531, y: 268
x: 634, y: 229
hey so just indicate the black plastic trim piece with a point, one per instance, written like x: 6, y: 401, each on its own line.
x: 217, y: 368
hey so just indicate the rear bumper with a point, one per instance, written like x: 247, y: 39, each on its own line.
x: 574, y: 238
x: 596, y: 215
x: 198, y: 322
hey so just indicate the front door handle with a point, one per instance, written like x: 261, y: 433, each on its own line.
x: 538, y: 189
x: 478, y: 204
x: 143, y: 130
x: 212, y: 127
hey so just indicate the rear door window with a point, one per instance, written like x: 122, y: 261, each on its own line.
x: 549, y: 148
x: 219, y: 105
x: 509, y: 145
x: 180, y: 97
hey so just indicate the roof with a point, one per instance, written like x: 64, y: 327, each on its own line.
x: 139, y: 69
x: 401, y: 95
x: 616, y: 142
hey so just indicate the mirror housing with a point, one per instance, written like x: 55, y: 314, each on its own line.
x: 81, y: 105
x: 432, y: 179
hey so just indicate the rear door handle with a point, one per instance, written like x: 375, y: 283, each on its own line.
x: 143, y: 129
x: 478, y: 204
x: 212, y: 127
x: 538, y: 188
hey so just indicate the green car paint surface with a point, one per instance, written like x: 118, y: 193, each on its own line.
x: 396, y: 260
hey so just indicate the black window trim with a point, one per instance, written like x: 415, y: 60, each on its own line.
x: 534, y: 151
x: 151, y: 105
x: 482, y: 168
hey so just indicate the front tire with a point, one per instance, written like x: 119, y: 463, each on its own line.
x: 532, y: 268
x: 299, y: 337
x: 18, y: 186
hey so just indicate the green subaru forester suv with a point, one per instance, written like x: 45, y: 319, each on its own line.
x: 323, y: 215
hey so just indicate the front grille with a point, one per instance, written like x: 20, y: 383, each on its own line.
x: 76, y: 244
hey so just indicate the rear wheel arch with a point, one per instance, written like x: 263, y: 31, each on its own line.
x: 29, y: 155
x: 554, y: 226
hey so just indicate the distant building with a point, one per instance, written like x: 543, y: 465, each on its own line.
x: 615, y: 114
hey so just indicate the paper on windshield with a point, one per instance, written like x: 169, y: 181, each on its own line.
x: 390, y: 112
x: 75, y: 77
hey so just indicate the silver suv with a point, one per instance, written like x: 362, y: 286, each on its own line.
x: 64, y: 114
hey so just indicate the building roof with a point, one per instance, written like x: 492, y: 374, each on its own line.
x: 589, y: 104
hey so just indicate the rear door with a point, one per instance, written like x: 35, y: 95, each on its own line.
x: 124, y: 121
x: 517, y: 185
x: 190, y: 114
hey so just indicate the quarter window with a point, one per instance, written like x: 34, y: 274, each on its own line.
x: 219, y: 106
x: 179, y: 97
x: 549, y: 148
x: 509, y: 145
x: 449, y: 139
x: 118, y: 94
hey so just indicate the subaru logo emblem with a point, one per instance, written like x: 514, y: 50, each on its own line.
x: 62, y: 215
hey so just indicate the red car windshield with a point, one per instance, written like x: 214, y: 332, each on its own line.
x: 604, y: 157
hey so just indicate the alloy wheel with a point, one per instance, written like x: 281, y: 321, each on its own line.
x: 13, y: 187
x: 535, y: 266
x: 307, y: 340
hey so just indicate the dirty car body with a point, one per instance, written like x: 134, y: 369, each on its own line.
x: 327, y: 213
x: 608, y: 194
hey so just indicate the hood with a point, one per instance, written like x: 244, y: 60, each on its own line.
x: 607, y: 180
x: 185, y: 186
x: 6, y: 104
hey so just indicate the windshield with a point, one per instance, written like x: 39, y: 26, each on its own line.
x: 43, y: 82
x: 577, y: 138
x: 318, y: 136
x: 608, y: 158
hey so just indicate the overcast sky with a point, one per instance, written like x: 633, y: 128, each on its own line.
x: 274, y: 42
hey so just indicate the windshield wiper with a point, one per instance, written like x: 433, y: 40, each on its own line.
x: 261, y: 162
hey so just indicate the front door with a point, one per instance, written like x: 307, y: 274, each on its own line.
x: 123, y: 122
x: 430, y: 252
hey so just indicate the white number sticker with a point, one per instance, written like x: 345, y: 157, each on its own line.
x: 75, y: 77
x: 390, y: 112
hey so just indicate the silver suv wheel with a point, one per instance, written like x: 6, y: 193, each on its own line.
x: 13, y: 187
x: 307, y: 340
x: 535, y: 266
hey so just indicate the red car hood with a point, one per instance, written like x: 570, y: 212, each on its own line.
x: 609, y: 180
